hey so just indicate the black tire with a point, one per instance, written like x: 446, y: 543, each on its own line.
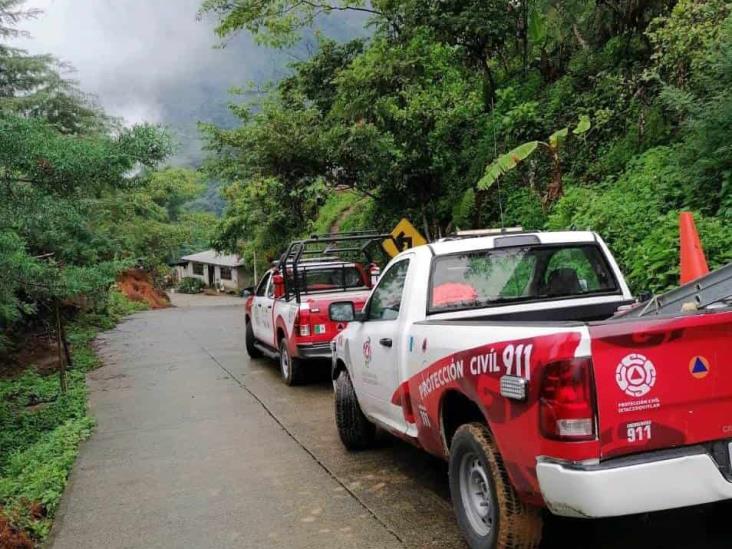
x: 508, y: 522
x: 249, y: 340
x: 356, y: 432
x: 294, y: 372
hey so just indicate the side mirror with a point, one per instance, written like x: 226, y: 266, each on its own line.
x: 342, y: 311
x: 279, y: 285
x: 246, y: 292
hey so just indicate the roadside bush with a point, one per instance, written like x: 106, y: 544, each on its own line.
x: 637, y: 215
x: 191, y: 285
x: 41, y: 428
x: 118, y: 306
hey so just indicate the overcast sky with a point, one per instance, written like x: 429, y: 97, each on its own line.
x: 152, y: 60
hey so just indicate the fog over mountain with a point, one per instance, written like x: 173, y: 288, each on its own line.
x: 152, y: 60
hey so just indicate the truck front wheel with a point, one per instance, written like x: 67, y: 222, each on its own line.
x: 489, y: 512
x: 356, y: 432
x: 291, y: 368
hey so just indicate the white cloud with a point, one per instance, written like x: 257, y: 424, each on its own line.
x: 132, y: 53
x: 152, y: 60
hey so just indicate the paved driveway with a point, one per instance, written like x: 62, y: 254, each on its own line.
x: 197, y: 446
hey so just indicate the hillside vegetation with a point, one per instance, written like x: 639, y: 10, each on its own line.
x: 82, y: 198
x: 617, y: 114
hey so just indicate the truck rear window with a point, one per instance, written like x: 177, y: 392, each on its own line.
x: 484, y: 278
x: 334, y: 278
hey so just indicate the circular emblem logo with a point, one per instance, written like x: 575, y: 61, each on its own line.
x: 636, y: 375
x: 699, y: 367
x: 367, y: 350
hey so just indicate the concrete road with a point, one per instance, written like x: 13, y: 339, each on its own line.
x: 198, y: 446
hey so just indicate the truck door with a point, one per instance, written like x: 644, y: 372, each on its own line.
x: 379, y: 347
x: 262, y: 310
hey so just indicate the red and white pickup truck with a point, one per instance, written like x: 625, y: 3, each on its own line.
x: 500, y: 355
x: 287, y: 315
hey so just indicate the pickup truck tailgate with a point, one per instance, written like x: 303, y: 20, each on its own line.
x: 662, y: 382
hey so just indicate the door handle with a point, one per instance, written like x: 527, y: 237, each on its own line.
x: 269, y: 306
x: 385, y: 341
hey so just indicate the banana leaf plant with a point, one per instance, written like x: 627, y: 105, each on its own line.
x: 510, y: 160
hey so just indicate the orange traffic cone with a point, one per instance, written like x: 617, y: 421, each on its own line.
x: 693, y: 263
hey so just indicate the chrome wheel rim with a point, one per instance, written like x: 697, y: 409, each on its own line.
x: 475, y: 492
x: 284, y: 361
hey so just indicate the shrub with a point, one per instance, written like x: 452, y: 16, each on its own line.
x: 637, y: 215
x: 191, y: 285
x: 41, y: 428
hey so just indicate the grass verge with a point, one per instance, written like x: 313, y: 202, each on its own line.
x: 41, y: 429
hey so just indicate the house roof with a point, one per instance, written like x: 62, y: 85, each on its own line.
x: 212, y: 257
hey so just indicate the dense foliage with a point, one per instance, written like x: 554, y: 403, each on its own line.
x: 81, y: 197
x: 410, y: 120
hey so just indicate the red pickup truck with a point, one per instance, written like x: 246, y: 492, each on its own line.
x: 502, y: 355
x: 287, y: 315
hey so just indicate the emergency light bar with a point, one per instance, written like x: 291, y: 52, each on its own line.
x: 475, y: 233
x: 486, y: 232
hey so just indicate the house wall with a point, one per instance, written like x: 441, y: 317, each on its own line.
x: 189, y: 272
x: 239, y: 277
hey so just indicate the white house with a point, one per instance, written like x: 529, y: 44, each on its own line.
x: 215, y: 269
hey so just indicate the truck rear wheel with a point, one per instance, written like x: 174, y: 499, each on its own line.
x: 489, y: 512
x: 356, y: 432
x: 291, y: 368
x: 249, y: 341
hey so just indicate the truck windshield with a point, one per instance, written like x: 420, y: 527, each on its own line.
x: 483, y: 278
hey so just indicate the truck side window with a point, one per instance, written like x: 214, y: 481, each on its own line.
x: 387, y: 297
x: 262, y: 288
x: 270, y: 288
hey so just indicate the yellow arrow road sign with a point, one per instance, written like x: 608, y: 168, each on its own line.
x: 406, y: 236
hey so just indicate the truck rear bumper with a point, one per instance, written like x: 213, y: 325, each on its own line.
x: 316, y: 350
x: 637, y: 485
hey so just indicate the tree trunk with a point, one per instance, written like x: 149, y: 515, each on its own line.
x: 555, y: 190
x: 59, y: 350
x: 425, y: 224
x: 489, y: 88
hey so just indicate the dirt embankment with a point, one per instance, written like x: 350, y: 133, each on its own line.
x: 138, y: 286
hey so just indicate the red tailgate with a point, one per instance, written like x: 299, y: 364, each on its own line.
x: 322, y: 329
x: 663, y: 382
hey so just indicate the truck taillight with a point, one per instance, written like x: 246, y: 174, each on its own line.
x: 566, y: 400
x: 302, y: 322
x: 374, y: 273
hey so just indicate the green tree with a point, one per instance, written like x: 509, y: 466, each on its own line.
x: 32, y: 85
x: 276, y: 22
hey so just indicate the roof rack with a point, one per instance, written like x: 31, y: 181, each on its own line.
x: 358, y: 242
x: 340, y: 236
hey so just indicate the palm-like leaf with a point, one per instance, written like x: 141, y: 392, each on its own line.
x: 505, y: 163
